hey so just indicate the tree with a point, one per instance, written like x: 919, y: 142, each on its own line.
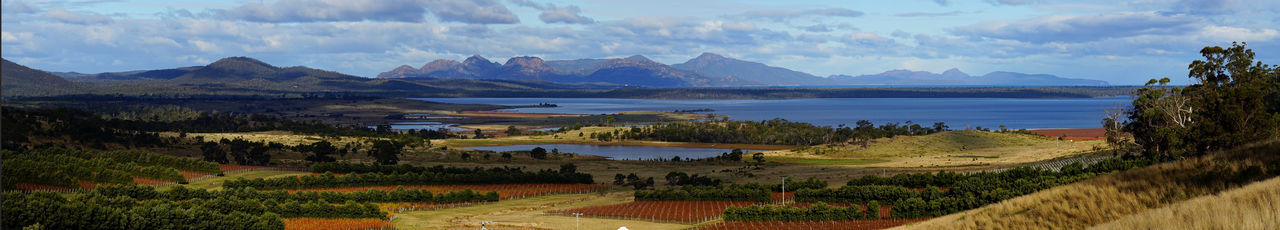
x: 506, y: 156
x: 1234, y: 101
x: 1112, y: 125
x: 940, y: 126
x: 619, y: 179
x: 568, y: 168
x: 512, y: 131
x: 213, y: 152
x: 466, y: 156
x: 386, y: 152
x: 759, y: 158
x: 538, y: 153
x: 321, y: 150
x: 479, y: 134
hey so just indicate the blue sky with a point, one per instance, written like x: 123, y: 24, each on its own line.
x: 1123, y: 42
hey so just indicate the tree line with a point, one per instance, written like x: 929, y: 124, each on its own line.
x: 774, y: 132
x: 816, y: 212
x: 399, y: 194
x: 377, y: 175
x: 142, y: 207
x: 66, y: 167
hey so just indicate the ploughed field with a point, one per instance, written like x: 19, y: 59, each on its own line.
x: 806, y: 225
x: 1085, y: 134
x: 336, y: 223
x: 689, y: 212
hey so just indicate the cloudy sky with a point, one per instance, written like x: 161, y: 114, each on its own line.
x: 1121, y: 41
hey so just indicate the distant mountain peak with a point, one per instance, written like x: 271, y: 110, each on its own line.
x: 954, y: 72
x: 710, y: 56
x: 438, y: 65
x: 241, y: 62
x: 238, y: 66
x: 525, y: 61
x: 638, y: 58
x: 475, y: 59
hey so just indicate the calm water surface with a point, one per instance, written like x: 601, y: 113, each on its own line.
x: 956, y: 112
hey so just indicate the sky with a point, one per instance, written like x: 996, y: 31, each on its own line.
x: 1124, y: 42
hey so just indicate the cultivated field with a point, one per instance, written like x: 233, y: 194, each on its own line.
x: 528, y: 213
x: 687, y: 212
x: 808, y: 225
x: 335, y: 224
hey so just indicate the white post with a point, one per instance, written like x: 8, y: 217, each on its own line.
x: 576, y: 225
x: 784, y: 189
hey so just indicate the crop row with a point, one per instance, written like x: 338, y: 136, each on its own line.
x: 806, y: 225
x: 505, y: 191
x: 336, y: 223
x: 687, y: 212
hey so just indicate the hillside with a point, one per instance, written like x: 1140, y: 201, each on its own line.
x: 956, y: 77
x: 1130, y: 193
x: 720, y: 66
x: 17, y: 79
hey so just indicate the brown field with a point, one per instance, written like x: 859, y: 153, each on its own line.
x: 807, y: 225
x: 335, y: 223
x: 1088, y: 134
x: 687, y: 212
x: 1117, y: 196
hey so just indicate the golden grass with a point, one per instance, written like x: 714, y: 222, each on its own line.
x: 1256, y: 206
x: 947, y: 149
x: 1112, y: 197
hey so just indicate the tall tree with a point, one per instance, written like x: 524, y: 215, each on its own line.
x: 321, y: 151
x: 213, y: 152
x: 386, y: 152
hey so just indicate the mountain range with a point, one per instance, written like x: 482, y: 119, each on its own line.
x: 706, y: 70
x: 248, y: 76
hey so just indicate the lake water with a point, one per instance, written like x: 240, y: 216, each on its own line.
x: 956, y: 112
x: 618, y: 152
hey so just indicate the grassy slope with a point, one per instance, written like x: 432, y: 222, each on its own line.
x: 1116, y: 196
x: 953, y: 148
x: 528, y: 213
x: 216, y: 182
x: 1256, y: 206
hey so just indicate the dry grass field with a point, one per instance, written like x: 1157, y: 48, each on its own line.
x: 959, y: 148
x: 1255, y: 206
x: 1135, y: 192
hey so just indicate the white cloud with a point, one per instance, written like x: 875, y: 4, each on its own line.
x: 63, y: 15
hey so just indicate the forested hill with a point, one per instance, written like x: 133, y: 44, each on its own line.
x: 18, y: 79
